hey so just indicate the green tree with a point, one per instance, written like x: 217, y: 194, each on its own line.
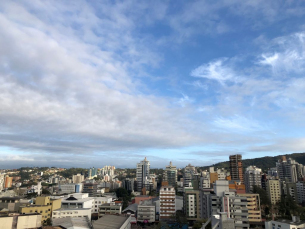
x: 121, y: 193
x: 45, y: 191
x: 264, y: 199
x: 198, y: 224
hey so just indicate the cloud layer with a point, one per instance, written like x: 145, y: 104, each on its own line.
x: 102, y: 81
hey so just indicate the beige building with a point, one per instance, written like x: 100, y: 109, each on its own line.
x: 110, y: 209
x: 44, y: 206
x: 253, y: 206
x: 274, y: 190
x: 16, y: 221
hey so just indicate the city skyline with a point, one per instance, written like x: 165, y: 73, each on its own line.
x: 87, y: 84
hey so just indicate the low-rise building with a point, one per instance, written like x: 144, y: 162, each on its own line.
x: 77, y: 200
x: 77, y: 212
x: 71, y: 188
x: 146, y: 212
x: 110, y: 209
x: 295, y: 223
x: 98, y: 201
x: 44, y: 205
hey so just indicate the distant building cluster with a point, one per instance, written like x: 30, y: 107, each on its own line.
x: 99, y: 197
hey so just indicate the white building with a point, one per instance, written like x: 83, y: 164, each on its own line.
x: 295, y: 223
x: 71, y: 188
x: 2, y: 181
x: 205, y: 180
x: 35, y: 189
x: 74, y: 212
x: 252, y: 178
x: 146, y: 212
x: 98, y: 201
x: 77, y: 200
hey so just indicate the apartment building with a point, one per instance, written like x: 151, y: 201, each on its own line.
x: 43, y: 205
x: 75, y: 212
x: 110, y: 209
x: 191, y: 204
x: 167, y: 202
x: 78, y: 178
x: 98, y: 201
x: 274, y: 190
x: 236, y: 168
x: 146, y: 212
x: 252, y: 178
x: 170, y: 174
x: 142, y: 174
x: 90, y: 188
x: 71, y: 188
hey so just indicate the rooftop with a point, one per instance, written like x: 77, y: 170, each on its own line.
x: 289, y: 221
x: 132, y: 207
x: 72, y: 222
x: 110, y: 222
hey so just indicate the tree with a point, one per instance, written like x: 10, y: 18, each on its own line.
x: 198, y: 224
x: 121, y: 193
x: 287, y: 206
x: 48, y: 222
x: 262, y: 195
x: 45, y: 191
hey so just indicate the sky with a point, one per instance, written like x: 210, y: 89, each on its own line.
x: 95, y: 83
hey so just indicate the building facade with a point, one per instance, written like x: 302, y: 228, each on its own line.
x: 167, y: 202
x: 252, y: 178
x: 274, y: 190
x: 236, y: 168
x: 142, y: 174
x: 170, y: 174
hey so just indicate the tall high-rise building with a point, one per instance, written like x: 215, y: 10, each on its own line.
x: 191, y: 204
x: 8, y: 182
x: 78, y: 178
x: 236, y: 168
x: 289, y: 170
x: 170, y: 174
x: 92, y: 172
x: 274, y: 191
x: 189, y: 172
x: 128, y: 184
x: 108, y: 170
x: 142, y: 174
x: 252, y: 178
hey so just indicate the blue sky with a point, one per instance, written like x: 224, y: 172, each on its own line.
x: 94, y: 83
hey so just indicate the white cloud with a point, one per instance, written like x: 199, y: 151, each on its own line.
x: 286, y: 55
x: 238, y: 124
x: 218, y: 70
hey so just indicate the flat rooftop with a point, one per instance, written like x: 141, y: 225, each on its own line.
x: 110, y: 222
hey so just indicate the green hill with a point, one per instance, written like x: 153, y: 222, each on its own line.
x: 263, y: 162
